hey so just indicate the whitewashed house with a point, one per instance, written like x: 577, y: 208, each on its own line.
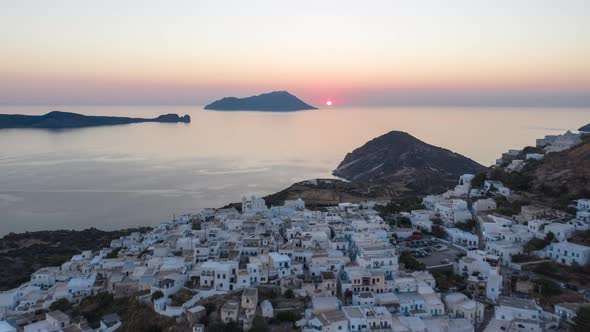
x: 568, y: 253
x: 494, y: 285
x: 561, y: 231
x: 462, y: 237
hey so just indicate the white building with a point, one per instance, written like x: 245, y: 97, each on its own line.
x: 253, y: 205
x: 534, y: 156
x: 583, y: 204
x: 44, y: 277
x: 460, y: 306
x: 494, y: 285
x: 563, y: 142
x: 421, y: 220
x: 79, y: 288
x: 513, y: 308
x: 567, y: 311
x: 280, y: 264
x: 452, y: 210
x: 504, y: 250
x: 484, y: 204
x: 568, y: 253
x: 5, y: 327
x: 496, y: 186
x: 462, y: 237
x: 561, y: 232
x: 219, y: 275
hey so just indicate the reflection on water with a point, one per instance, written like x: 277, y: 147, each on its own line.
x: 140, y: 174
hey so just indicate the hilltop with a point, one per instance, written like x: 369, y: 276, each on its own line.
x: 61, y: 120
x: 277, y: 101
x: 403, y: 163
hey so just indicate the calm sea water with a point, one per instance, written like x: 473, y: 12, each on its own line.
x: 140, y: 174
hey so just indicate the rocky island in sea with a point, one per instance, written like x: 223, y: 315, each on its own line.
x: 62, y: 120
x: 276, y: 101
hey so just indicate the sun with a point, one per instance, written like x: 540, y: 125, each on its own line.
x: 329, y: 103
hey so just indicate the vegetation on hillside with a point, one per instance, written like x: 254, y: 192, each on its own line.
x: 582, y: 320
x: 467, y: 225
x: 136, y: 316
x: 24, y: 253
x: 538, y: 244
x: 411, y: 263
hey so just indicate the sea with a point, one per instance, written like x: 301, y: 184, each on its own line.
x: 142, y: 174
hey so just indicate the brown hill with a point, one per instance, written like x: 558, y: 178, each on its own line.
x: 402, y: 163
x: 565, y: 174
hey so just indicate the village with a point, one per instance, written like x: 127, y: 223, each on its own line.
x: 454, y: 263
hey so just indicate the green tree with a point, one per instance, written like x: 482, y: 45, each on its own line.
x: 61, y: 305
x: 467, y: 226
x: 289, y: 294
x: 113, y: 254
x: 439, y: 231
x: 582, y: 319
x: 410, y: 262
x: 404, y: 222
x: 286, y: 316
x: 477, y: 181
x: 259, y: 324
x: 157, y: 295
x: 548, y: 288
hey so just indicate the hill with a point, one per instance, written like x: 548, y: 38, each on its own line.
x: 277, y: 101
x: 324, y: 192
x: 61, y: 120
x: 24, y: 253
x: 403, y: 163
x: 562, y: 176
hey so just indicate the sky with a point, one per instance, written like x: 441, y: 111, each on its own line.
x: 420, y: 52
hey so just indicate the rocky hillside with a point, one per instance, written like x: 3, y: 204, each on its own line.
x: 403, y: 163
x: 24, y: 253
x: 564, y: 174
x: 324, y: 192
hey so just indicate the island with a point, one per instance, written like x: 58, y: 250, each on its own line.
x: 62, y: 120
x: 276, y: 101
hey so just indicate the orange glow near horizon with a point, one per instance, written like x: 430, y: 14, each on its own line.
x: 180, y: 53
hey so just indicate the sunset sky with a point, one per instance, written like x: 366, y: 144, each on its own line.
x: 455, y: 52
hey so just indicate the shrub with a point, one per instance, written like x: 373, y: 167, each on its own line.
x: 477, y: 181
x: 410, y: 262
x: 157, y: 295
x: 467, y: 226
x: 286, y: 316
x: 548, y: 287
x: 289, y: 294
x: 582, y: 320
x: 61, y: 305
